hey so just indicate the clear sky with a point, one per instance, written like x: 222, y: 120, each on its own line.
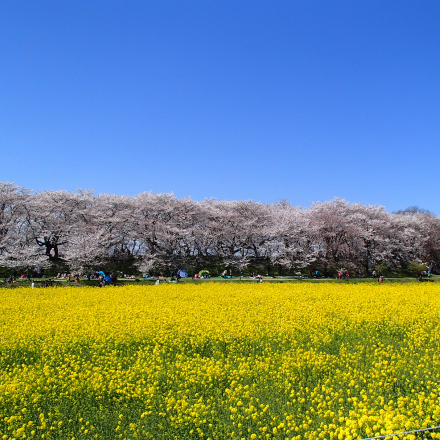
x: 262, y: 100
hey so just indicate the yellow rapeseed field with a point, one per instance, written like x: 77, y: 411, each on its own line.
x: 216, y: 361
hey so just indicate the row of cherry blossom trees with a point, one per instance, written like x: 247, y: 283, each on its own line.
x: 84, y: 231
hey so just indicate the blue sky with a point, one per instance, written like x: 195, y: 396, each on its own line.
x: 304, y: 100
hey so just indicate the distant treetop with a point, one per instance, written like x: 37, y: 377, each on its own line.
x: 414, y: 210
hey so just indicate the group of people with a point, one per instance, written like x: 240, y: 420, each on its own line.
x: 257, y: 277
x: 427, y: 273
x: 342, y: 274
x: 225, y: 274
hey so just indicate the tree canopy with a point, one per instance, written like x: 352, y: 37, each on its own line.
x: 83, y: 231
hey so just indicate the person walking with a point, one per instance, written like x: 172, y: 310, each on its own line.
x: 430, y: 269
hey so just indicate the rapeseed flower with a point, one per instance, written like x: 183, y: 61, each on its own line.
x: 302, y: 361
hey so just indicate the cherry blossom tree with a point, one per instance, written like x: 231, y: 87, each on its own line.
x: 84, y: 231
x: 371, y: 228
x: 240, y: 231
x: 334, y: 237
x: 292, y: 244
x: 17, y: 250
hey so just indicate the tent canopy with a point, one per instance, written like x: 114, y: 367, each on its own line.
x: 182, y: 274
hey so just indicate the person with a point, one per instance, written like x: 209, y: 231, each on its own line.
x: 374, y: 273
x: 224, y: 273
x: 157, y: 281
x: 380, y: 279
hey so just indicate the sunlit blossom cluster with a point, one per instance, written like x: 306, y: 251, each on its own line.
x: 216, y: 361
